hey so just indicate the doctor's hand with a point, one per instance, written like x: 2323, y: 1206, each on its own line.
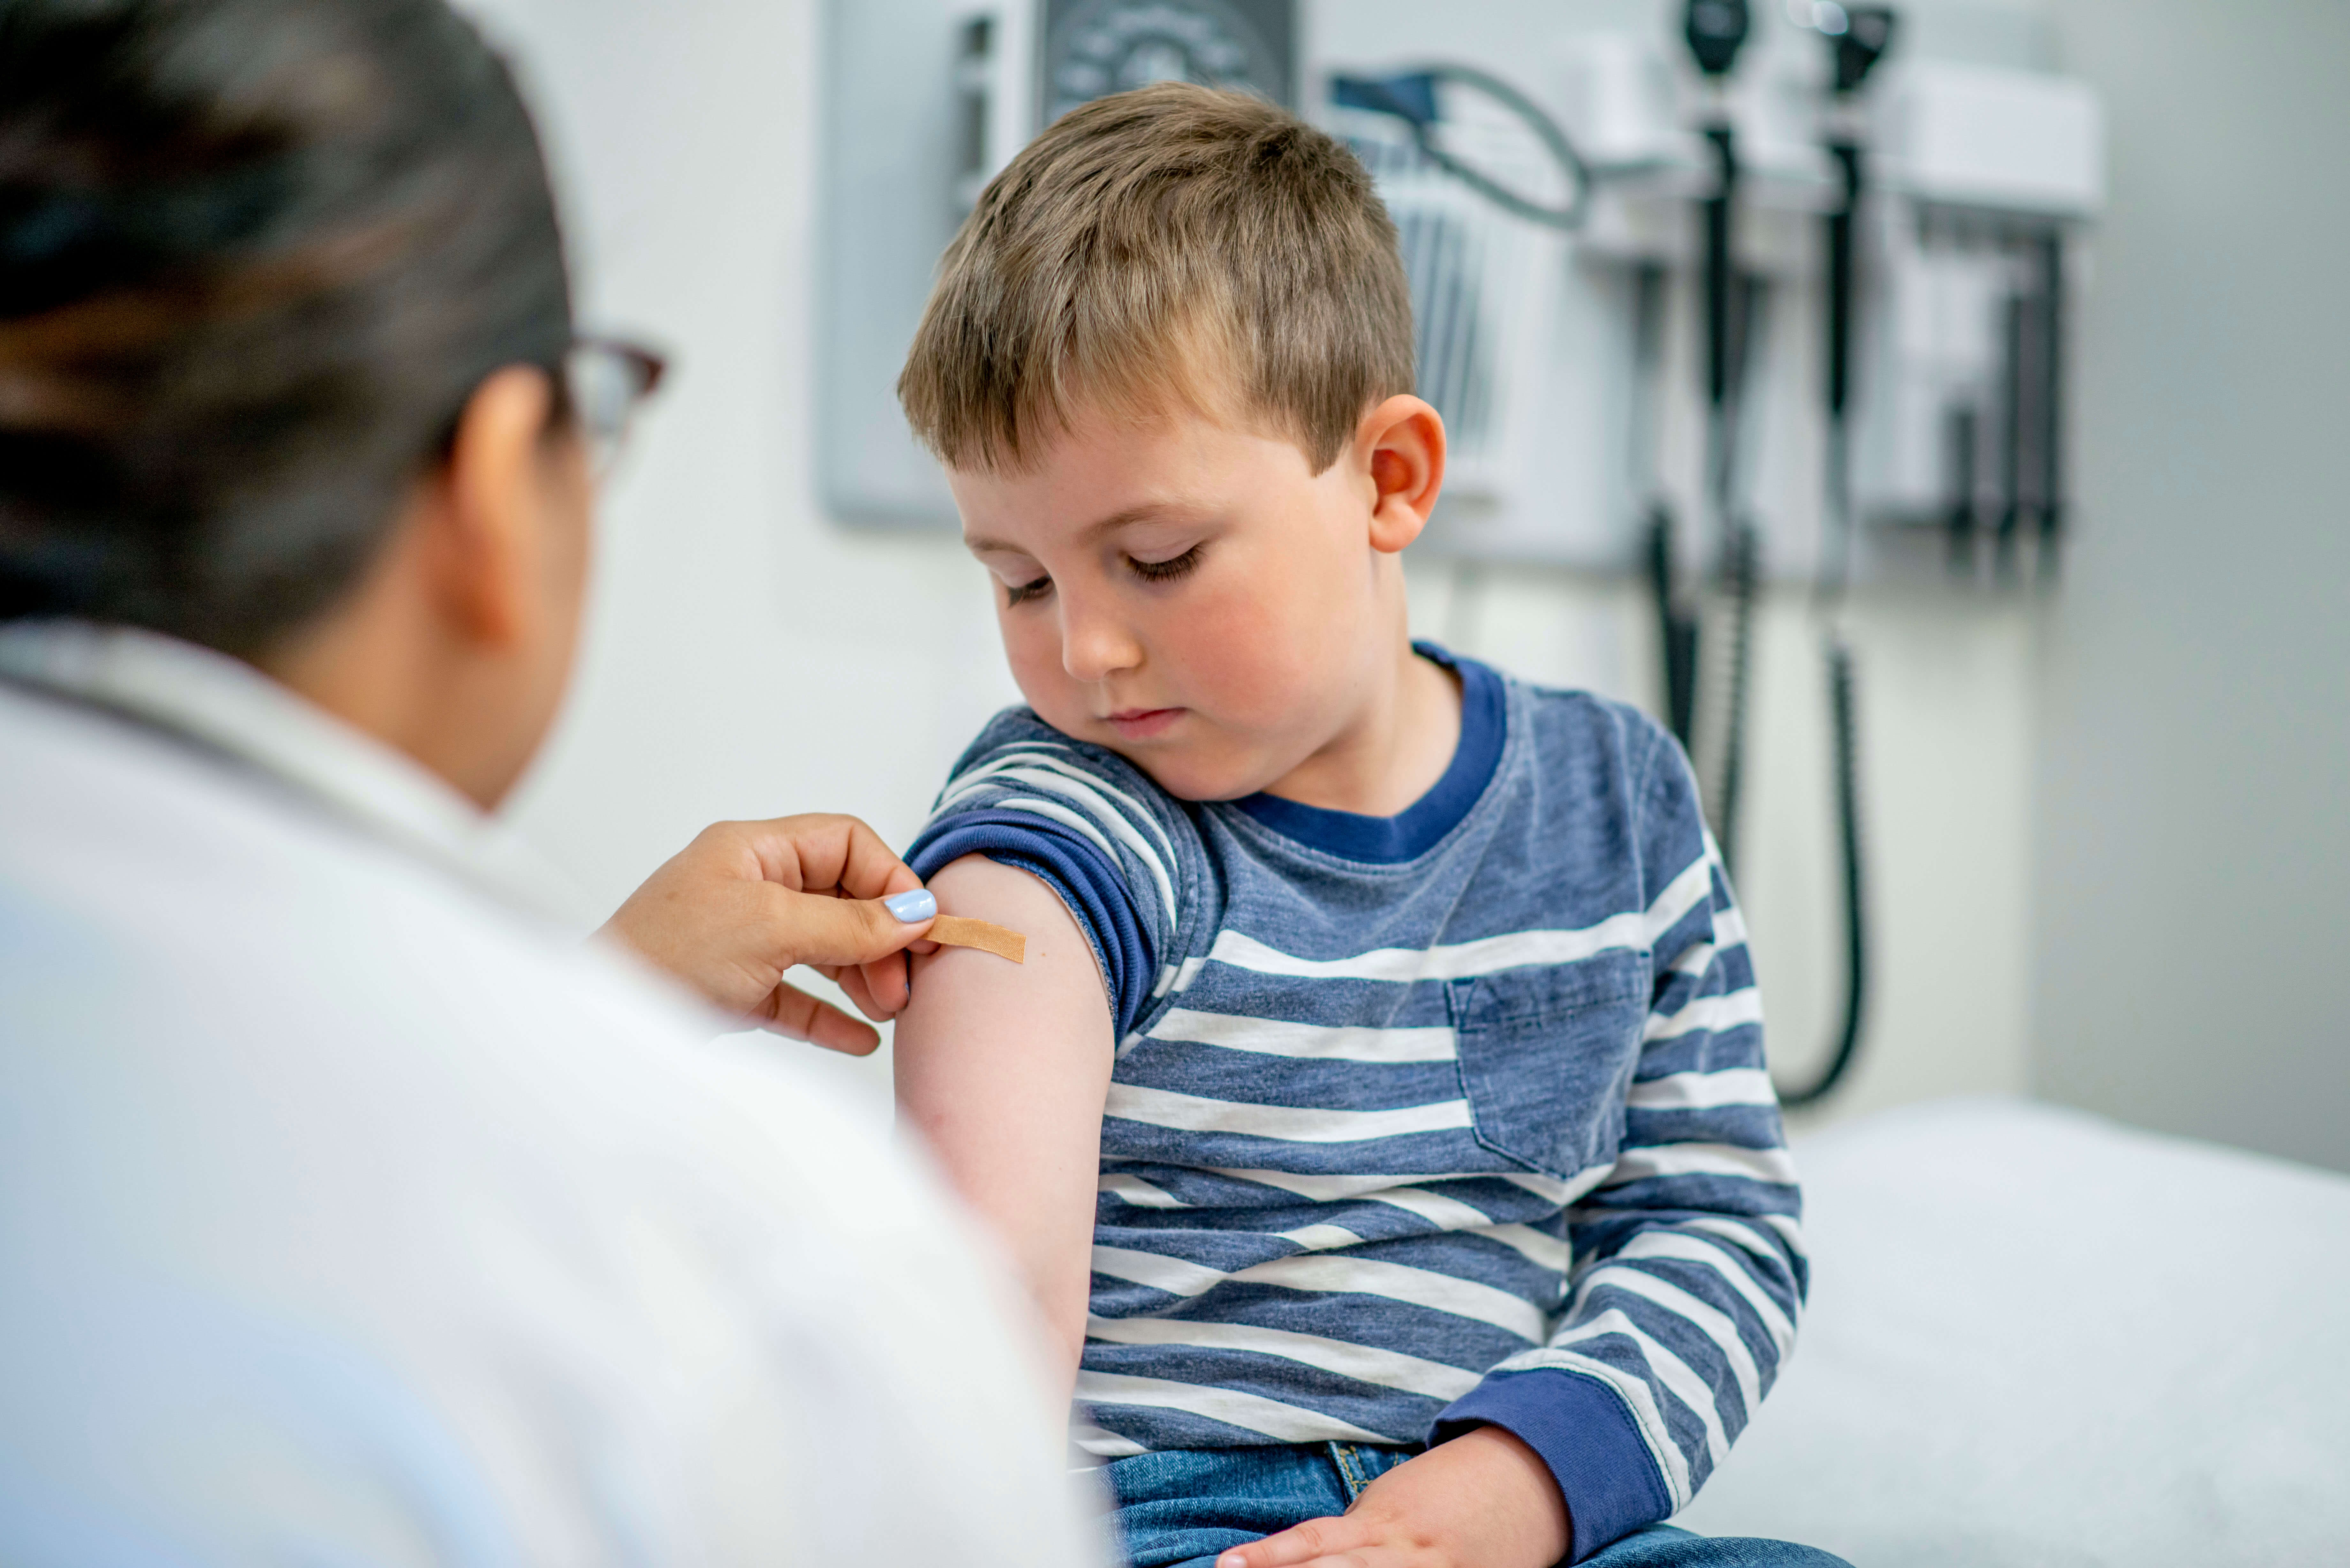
x: 1484, y: 1499
x: 747, y: 900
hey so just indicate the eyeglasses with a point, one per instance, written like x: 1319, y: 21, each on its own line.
x: 608, y: 379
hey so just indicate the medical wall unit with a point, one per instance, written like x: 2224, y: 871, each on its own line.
x: 1722, y: 296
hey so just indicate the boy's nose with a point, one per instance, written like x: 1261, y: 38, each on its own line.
x: 1095, y: 646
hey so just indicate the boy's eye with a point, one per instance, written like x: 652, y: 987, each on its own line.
x: 1166, y: 571
x: 1020, y: 593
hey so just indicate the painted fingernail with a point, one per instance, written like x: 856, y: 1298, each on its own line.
x: 918, y: 905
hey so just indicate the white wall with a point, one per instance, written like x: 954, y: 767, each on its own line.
x: 749, y: 658
x: 2195, y: 736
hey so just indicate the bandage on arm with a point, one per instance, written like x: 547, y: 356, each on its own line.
x: 961, y: 932
x: 1005, y: 1068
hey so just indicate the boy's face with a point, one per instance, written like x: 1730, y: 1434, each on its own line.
x: 1190, y: 595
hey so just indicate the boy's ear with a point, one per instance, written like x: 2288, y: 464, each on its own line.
x: 1399, y: 446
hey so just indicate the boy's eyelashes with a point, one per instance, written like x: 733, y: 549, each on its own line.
x: 1165, y: 571
x: 1168, y: 570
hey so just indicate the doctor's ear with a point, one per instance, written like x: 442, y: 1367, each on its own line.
x: 498, y: 520
x: 1399, y: 448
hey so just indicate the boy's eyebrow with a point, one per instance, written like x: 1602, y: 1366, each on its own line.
x: 1145, y: 512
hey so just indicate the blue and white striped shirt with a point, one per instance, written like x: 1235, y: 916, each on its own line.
x: 1454, y: 1117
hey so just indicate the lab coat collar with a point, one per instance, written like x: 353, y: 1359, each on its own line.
x: 224, y: 707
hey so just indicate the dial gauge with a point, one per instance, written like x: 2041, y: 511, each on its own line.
x: 1093, y: 47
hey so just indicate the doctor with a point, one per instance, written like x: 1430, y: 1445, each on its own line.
x: 351, y: 1209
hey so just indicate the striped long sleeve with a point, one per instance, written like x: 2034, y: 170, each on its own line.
x: 1087, y: 823
x: 1419, y: 1122
x: 1690, y: 1269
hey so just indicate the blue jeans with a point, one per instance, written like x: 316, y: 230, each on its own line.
x: 1181, y: 1507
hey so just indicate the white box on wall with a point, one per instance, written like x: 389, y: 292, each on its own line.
x: 1978, y: 135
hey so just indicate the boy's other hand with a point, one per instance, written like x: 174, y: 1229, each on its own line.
x: 1484, y: 1499
x: 746, y: 901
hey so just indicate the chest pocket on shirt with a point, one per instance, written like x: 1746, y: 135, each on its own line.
x: 1546, y: 1055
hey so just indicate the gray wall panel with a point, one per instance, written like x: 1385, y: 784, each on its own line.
x: 2194, y: 737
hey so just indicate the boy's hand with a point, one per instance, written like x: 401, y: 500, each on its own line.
x: 1483, y: 1500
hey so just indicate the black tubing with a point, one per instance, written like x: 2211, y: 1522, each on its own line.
x: 1410, y: 97
x: 2014, y: 420
x: 1728, y: 318
x: 1676, y: 626
x: 1546, y: 129
x: 1855, y: 930
x: 1676, y: 630
x: 1961, y: 521
x: 1840, y: 278
x: 1740, y: 573
x: 1720, y: 280
x: 1844, y: 732
x: 2051, y: 435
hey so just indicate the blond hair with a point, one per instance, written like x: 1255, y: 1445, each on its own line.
x: 1170, y: 247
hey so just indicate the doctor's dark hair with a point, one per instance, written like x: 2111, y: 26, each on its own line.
x: 256, y: 256
x: 1170, y: 247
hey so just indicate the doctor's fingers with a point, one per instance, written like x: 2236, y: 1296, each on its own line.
x: 879, y: 988
x: 819, y: 928
x: 820, y: 851
x: 796, y: 1015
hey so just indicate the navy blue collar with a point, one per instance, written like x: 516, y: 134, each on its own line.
x: 1390, y: 840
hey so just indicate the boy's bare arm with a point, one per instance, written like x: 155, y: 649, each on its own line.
x: 1005, y: 1068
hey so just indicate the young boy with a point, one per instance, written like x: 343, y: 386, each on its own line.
x: 1386, y: 1067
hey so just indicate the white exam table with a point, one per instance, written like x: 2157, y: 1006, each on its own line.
x: 2037, y: 1337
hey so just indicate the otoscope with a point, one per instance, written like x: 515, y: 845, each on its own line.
x: 1857, y: 38
x: 1716, y: 30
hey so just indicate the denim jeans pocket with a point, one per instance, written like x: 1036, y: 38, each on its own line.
x: 1546, y: 1054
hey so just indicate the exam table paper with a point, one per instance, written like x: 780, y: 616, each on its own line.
x: 2037, y: 1337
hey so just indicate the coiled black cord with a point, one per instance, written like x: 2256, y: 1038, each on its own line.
x: 1835, y: 578
x: 1410, y: 97
x: 1842, y: 716
x: 1676, y: 630
x: 1742, y: 573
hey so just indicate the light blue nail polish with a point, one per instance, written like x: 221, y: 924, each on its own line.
x: 918, y: 905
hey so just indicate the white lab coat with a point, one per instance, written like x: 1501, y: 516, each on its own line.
x: 352, y: 1212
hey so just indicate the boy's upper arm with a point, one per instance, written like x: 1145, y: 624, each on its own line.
x: 1092, y: 827
x: 1004, y: 1067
